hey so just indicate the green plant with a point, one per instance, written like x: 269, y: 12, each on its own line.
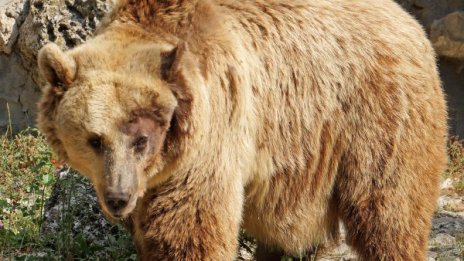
x: 26, y: 166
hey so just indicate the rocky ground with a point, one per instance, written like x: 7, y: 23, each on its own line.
x: 447, y: 237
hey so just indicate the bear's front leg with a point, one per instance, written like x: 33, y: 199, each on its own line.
x: 193, y: 218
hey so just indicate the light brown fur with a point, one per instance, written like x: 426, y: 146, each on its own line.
x: 281, y: 116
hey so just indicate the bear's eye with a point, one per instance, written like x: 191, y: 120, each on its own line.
x: 140, y: 143
x: 96, y: 143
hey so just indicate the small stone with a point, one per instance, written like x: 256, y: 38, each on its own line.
x: 446, y: 184
x: 442, y: 240
x: 451, y: 203
x: 432, y: 255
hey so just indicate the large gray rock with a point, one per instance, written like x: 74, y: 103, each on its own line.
x: 18, y: 93
x: 13, y: 105
x: 26, y: 26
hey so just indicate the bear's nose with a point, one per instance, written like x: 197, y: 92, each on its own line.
x: 115, y: 201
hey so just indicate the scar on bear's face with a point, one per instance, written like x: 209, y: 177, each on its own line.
x: 146, y: 130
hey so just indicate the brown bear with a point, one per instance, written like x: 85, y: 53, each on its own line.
x: 193, y: 118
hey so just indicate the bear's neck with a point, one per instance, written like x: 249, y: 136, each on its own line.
x: 171, y: 15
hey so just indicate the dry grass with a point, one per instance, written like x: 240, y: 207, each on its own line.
x: 455, y: 170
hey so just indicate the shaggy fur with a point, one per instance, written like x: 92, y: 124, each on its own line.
x: 283, y: 116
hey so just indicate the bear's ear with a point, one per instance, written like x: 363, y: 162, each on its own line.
x: 170, y: 61
x: 167, y: 62
x: 58, y: 68
x: 176, y: 68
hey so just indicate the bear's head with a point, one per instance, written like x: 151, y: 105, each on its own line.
x: 109, y: 110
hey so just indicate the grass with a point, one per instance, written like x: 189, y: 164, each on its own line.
x: 455, y: 170
x: 29, y: 180
x: 461, y: 246
x: 27, y: 166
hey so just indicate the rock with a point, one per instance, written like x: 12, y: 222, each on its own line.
x: 432, y: 255
x: 448, y: 222
x: 65, y: 22
x: 442, y: 240
x: 447, y: 237
x: 427, y: 11
x: 18, y: 93
x: 447, y: 36
x: 452, y: 203
x: 13, y: 109
x: 11, y: 16
x: 446, y: 184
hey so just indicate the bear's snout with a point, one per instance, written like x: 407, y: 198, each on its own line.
x: 116, y: 202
